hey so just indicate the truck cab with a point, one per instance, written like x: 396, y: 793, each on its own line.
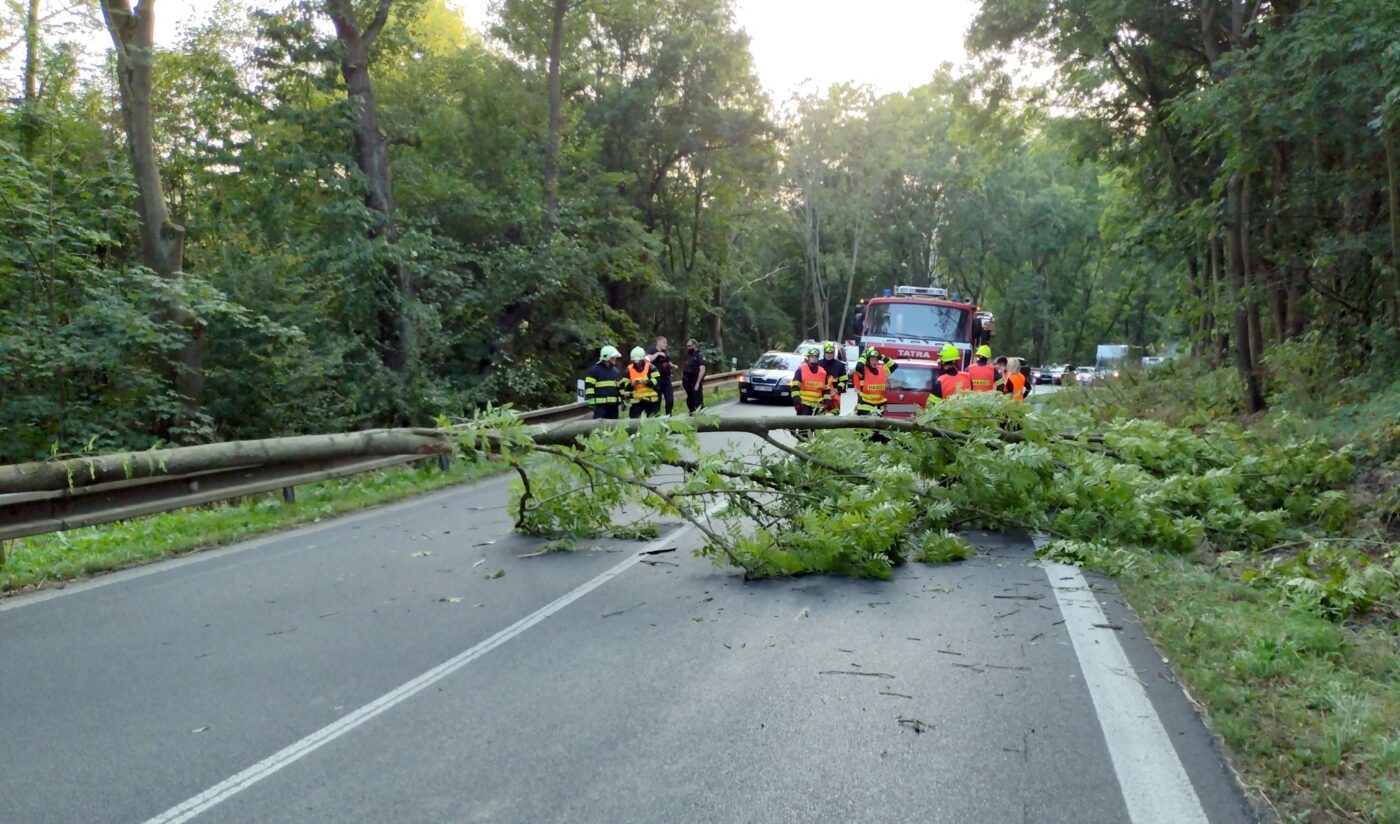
x: 916, y: 322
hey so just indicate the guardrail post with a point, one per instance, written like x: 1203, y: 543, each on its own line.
x: 444, y: 461
x: 289, y: 494
x: 2, y: 552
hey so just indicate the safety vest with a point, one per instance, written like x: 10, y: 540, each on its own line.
x: 983, y: 376
x: 1018, y: 386
x: 643, y: 382
x: 872, y: 385
x: 811, y: 384
x: 954, y: 383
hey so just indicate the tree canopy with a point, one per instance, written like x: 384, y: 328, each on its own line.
x: 345, y: 214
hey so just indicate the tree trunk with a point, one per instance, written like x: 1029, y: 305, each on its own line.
x: 29, y: 117
x: 556, y: 118
x: 1392, y: 168
x: 1251, y: 274
x: 851, y: 280
x: 1235, y: 238
x: 395, y: 287
x: 162, y: 240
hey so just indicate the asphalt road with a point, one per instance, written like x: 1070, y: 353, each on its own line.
x: 371, y: 669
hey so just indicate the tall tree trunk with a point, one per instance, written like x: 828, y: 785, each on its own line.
x: 162, y: 240
x: 717, y: 316
x: 556, y: 117
x: 395, y: 287
x: 29, y: 116
x: 1392, y: 168
x: 1251, y: 274
x: 851, y: 280
x: 1235, y: 238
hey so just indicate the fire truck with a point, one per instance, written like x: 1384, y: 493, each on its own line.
x: 916, y: 322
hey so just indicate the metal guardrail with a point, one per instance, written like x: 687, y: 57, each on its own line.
x: 36, y: 513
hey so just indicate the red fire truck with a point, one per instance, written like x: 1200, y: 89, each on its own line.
x: 915, y: 322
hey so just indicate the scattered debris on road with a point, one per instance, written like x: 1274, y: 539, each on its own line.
x: 896, y: 694
x: 915, y: 724
x: 621, y: 611
x: 852, y: 672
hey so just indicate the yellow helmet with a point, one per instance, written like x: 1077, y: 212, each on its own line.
x: 949, y: 354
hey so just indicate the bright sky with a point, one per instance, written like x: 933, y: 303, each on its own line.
x: 892, y: 45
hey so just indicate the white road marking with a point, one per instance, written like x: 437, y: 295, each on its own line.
x: 1151, y: 777
x: 292, y: 533
x: 190, y: 808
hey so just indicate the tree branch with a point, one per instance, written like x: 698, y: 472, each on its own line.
x: 381, y: 16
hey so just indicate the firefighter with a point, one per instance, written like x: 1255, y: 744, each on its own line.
x: 602, y: 386
x: 811, y: 386
x: 871, y: 380
x: 982, y: 373
x: 951, y: 379
x: 642, y: 377
x: 836, y: 372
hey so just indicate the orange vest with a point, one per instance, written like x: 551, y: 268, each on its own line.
x: 1018, y: 386
x: 812, y: 385
x: 984, y: 377
x: 953, y: 384
x: 872, y: 384
x: 643, y: 382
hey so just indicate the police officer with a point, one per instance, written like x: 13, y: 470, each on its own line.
x: 602, y: 386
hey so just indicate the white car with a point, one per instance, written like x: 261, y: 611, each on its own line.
x: 1086, y: 375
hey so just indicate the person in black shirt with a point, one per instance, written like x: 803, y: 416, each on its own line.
x: 661, y: 359
x: 693, y: 376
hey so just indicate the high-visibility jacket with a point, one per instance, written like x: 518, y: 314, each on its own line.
x: 951, y: 383
x: 836, y: 370
x: 1016, y: 385
x: 872, y: 383
x: 602, y: 386
x: 983, y: 377
x: 642, y: 381
x: 812, y: 384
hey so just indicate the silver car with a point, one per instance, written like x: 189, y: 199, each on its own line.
x: 770, y: 377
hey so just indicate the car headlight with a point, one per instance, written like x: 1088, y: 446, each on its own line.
x: 743, y: 379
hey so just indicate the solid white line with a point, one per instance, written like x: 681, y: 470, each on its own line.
x: 1153, y: 781
x: 277, y: 761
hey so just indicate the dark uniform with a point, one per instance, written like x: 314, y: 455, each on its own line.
x: 662, y: 362
x: 602, y: 390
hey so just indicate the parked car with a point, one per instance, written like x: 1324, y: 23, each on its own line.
x: 1052, y: 374
x: 910, y: 386
x: 769, y: 377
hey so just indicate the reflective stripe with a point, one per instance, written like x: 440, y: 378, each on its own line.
x: 643, y: 382
x: 983, y: 377
x: 813, y: 385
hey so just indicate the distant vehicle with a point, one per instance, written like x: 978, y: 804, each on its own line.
x: 1086, y: 375
x: 1149, y: 362
x: 1115, y: 358
x: 769, y: 377
x: 916, y: 322
x: 1053, y: 374
x: 910, y: 386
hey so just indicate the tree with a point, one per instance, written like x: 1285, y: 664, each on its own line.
x: 372, y: 157
x: 162, y: 240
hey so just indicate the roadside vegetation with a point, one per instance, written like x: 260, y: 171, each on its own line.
x: 1292, y: 648
x: 61, y: 556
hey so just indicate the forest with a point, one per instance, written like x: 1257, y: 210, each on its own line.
x: 324, y: 216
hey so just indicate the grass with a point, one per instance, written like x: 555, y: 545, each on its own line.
x: 40, y: 559
x: 60, y: 556
x: 1306, y: 706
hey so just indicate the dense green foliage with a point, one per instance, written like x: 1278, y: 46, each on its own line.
x: 1191, y: 180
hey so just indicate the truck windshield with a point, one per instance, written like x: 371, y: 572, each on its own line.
x: 921, y: 321
x: 910, y: 378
